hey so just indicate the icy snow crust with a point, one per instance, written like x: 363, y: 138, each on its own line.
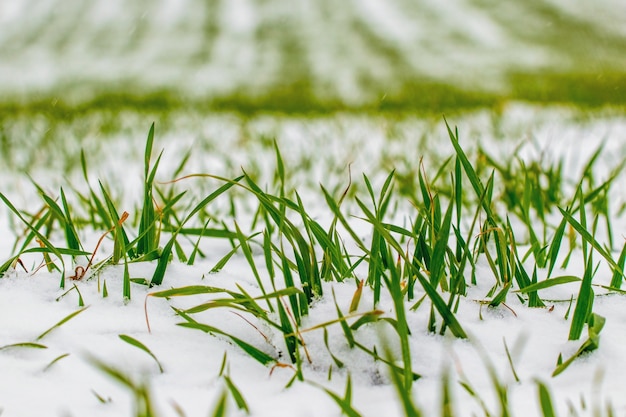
x: 30, y: 304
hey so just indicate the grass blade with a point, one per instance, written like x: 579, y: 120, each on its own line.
x: 566, y: 279
x: 220, y: 407
x: 234, y: 391
x: 584, y: 302
x: 134, y: 342
x: 618, y: 277
x: 477, y: 184
x: 254, y: 353
x: 545, y: 400
x: 148, y: 236
x: 186, y: 291
x: 61, y: 322
x: 587, y: 237
x: 29, y: 345
x: 596, y: 324
x: 439, y: 250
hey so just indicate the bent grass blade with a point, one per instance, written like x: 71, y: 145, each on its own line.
x: 134, y: 342
x: 595, y: 326
x: 55, y: 360
x: 29, y: 345
x: 61, y: 322
x: 252, y: 351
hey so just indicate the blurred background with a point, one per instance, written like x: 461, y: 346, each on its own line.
x: 227, y: 77
x: 298, y: 56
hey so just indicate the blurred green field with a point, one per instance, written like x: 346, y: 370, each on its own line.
x: 92, y: 76
x: 307, y: 57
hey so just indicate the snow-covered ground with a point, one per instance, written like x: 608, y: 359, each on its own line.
x: 33, y: 383
x: 191, y: 359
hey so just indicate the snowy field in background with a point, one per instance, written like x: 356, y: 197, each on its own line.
x: 352, y: 51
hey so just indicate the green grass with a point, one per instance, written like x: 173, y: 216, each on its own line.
x: 457, y: 222
x: 592, y: 89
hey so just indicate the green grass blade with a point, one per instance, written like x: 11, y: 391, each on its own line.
x: 595, y: 326
x: 220, y: 406
x: 163, y: 262
x: 280, y: 169
x: 289, y: 283
x: 148, y: 240
x: 395, y: 289
x: 148, y: 150
x: 477, y: 184
x: 121, y: 242
x: 126, y: 281
x: 335, y: 359
x: 545, y: 401
x: 236, y: 394
x: 28, y: 345
x: 447, y: 404
x: 267, y: 254
x: 347, y: 331
x: 221, y: 190
x: 344, y: 403
x: 247, y: 252
x: 584, y: 302
x: 555, y: 246
x: 63, y: 216
x: 404, y: 392
x: 587, y: 237
x: 224, y: 260
x: 73, y: 241
x: 439, y: 250
x: 288, y: 334
x: 186, y: 291
x: 206, y: 232
x: 55, y: 360
x: 61, y: 322
x: 566, y: 279
x: 134, y: 342
x: 501, y: 296
x: 618, y: 277
x: 334, y: 207
x: 252, y: 351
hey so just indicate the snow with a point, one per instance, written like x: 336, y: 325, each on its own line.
x: 32, y: 303
x: 191, y: 359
